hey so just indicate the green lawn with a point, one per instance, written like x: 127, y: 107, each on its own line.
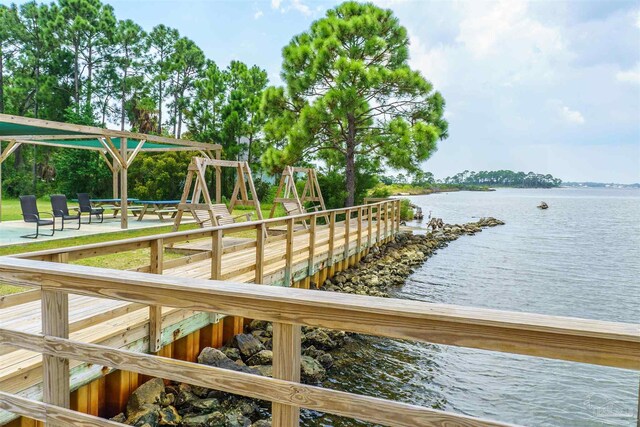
x: 11, y: 208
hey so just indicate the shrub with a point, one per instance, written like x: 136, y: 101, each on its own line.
x: 406, y: 211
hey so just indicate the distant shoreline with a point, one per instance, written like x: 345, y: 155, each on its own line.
x: 427, y: 191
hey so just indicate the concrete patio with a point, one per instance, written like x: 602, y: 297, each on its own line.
x: 10, y: 231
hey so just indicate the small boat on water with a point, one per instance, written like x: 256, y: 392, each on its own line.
x: 543, y: 205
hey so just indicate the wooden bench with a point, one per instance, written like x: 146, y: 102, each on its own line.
x: 220, y: 213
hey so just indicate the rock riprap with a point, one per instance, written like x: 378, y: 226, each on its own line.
x: 160, y: 403
x: 388, y: 266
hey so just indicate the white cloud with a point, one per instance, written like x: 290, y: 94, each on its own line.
x: 296, y: 5
x: 572, y: 116
x: 300, y: 7
x: 258, y: 14
x: 567, y: 114
x: 629, y: 76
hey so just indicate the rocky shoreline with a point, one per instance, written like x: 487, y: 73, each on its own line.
x: 177, y: 404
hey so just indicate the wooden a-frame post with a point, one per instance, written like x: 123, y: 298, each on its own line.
x: 196, y: 188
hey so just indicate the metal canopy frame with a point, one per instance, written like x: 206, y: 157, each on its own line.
x: 118, y: 148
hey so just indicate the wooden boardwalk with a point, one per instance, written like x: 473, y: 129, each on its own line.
x: 295, y: 258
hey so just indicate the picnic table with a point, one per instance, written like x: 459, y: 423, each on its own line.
x: 115, y: 204
x: 158, y: 207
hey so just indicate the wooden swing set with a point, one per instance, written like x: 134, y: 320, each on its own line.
x: 196, y: 199
x: 287, y: 193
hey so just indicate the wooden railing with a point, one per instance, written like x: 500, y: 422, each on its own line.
x: 579, y: 340
x: 373, y: 223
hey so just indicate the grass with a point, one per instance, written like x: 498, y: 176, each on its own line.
x: 136, y: 258
x: 11, y: 208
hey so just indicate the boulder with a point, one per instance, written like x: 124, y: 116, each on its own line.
x: 120, y: 418
x: 147, y: 413
x: 232, y: 353
x: 263, y: 357
x: 262, y: 423
x: 205, y: 420
x: 236, y: 419
x: 247, y: 407
x: 258, y: 324
x: 312, y: 351
x: 148, y: 393
x: 169, y: 416
x: 311, y: 370
x: 214, y: 357
x: 205, y: 405
x: 211, y: 356
x: 199, y: 391
x: 320, y: 339
x: 168, y: 399
x: 265, y: 370
x: 326, y: 360
x: 247, y: 344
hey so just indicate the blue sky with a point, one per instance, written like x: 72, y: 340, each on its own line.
x: 544, y: 86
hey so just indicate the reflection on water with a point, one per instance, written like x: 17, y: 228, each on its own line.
x: 580, y: 258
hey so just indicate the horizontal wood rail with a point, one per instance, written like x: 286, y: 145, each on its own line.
x: 581, y: 340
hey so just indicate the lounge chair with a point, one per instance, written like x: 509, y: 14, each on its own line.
x: 30, y: 214
x: 85, y: 207
x: 61, y: 210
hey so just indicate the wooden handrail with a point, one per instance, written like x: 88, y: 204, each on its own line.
x: 582, y: 340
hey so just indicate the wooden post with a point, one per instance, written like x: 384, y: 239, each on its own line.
x: 386, y: 220
x: 347, y: 231
x: 286, y: 366
x: 312, y: 245
x: 369, y: 225
x: 115, y: 170
x: 218, y: 180
x: 260, y: 237
x: 359, y: 240
x: 399, y: 218
x: 378, y: 221
x: 288, y: 253
x: 393, y: 217
x: 124, y: 202
x: 55, y: 322
x: 155, y: 311
x: 216, y: 254
x: 332, y: 237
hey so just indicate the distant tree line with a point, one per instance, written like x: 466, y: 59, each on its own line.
x: 504, y: 178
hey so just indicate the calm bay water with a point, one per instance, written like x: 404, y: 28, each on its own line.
x: 579, y: 258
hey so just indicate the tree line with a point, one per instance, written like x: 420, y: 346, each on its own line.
x: 349, y: 102
x: 504, y: 178
x: 74, y: 61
